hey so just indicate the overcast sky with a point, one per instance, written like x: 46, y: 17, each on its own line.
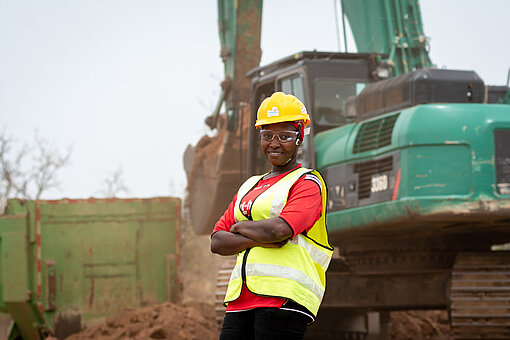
x: 128, y: 83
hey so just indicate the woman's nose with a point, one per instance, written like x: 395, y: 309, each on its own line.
x: 275, y: 141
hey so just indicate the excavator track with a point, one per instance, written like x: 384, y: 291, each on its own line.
x: 480, y: 296
x: 221, y: 289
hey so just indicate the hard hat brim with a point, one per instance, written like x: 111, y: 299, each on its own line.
x: 262, y: 122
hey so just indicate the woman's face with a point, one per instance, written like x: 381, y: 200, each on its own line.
x: 279, y: 152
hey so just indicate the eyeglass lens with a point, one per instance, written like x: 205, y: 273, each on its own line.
x: 283, y: 136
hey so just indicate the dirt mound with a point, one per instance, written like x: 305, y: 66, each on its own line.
x: 188, y: 321
x: 417, y: 325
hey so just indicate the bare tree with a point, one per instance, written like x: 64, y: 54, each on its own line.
x: 29, y: 171
x: 11, y: 175
x: 113, y: 184
x: 46, y: 162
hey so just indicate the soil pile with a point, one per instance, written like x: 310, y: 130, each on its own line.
x: 195, y: 321
x: 418, y: 325
x: 192, y: 321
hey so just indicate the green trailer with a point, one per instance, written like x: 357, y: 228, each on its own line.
x: 66, y: 263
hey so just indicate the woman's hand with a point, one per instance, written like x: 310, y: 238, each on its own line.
x: 272, y: 245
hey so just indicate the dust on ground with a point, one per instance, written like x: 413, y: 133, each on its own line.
x: 198, y: 267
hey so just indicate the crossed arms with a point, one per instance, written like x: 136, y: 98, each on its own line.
x: 270, y: 233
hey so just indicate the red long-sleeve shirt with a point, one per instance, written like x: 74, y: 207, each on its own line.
x: 302, y: 210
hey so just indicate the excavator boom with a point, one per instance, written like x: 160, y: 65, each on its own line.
x: 215, y: 165
x: 390, y: 27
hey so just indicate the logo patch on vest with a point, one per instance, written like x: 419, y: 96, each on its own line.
x: 273, y: 112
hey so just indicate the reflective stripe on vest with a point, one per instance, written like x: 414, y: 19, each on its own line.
x: 258, y: 269
x: 297, y: 270
x: 317, y: 255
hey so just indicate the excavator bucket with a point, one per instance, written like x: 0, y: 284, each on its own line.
x: 215, y: 169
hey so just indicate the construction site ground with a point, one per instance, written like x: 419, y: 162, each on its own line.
x: 193, y: 317
x: 194, y: 320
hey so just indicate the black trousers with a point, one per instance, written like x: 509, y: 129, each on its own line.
x: 264, y: 324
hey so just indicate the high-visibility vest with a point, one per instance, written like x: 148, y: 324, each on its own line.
x: 296, y: 271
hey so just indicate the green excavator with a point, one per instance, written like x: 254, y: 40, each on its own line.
x: 416, y: 159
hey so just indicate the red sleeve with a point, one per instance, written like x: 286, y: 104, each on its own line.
x: 227, y: 220
x: 304, y: 205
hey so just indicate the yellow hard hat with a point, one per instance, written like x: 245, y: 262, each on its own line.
x: 281, y: 107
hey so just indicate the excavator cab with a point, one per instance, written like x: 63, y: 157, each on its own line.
x: 323, y: 81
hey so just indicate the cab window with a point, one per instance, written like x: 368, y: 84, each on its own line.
x: 330, y: 96
x: 294, y: 86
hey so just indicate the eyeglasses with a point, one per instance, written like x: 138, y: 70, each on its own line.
x: 283, y: 136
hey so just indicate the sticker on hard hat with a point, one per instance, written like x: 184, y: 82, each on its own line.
x: 273, y: 112
x: 303, y: 110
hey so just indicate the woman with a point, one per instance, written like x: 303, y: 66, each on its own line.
x: 276, y: 226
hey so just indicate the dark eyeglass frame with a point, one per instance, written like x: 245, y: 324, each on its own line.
x: 280, y: 135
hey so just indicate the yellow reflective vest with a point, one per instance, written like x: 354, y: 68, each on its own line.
x: 296, y: 271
